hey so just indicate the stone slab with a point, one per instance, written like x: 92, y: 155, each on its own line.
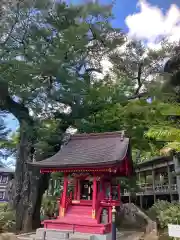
x: 107, y: 236
x: 56, y: 235
x: 129, y: 235
x: 80, y: 236
x: 40, y: 232
x: 51, y: 234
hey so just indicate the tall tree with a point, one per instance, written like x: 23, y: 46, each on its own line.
x: 170, y: 131
x: 47, y: 59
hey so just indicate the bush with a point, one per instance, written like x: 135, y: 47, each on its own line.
x: 171, y: 215
x: 3, y: 207
x: 49, y: 207
x: 7, y: 218
x: 165, y: 213
x: 155, y: 210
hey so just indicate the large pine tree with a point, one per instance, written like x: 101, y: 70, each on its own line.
x: 48, y: 54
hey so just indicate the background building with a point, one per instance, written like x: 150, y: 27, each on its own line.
x: 156, y: 180
x: 6, y: 174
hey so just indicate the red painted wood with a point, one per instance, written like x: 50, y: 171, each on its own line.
x: 94, y: 193
x: 64, y: 195
x: 78, y: 189
x: 122, y: 168
x: 75, y: 227
x: 78, y: 218
x: 110, y: 214
x: 75, y: 189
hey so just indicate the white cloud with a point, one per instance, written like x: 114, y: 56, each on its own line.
x: 151, y: 24
x: 106, y: 68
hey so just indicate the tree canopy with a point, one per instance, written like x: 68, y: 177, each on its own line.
x: 50, y: 56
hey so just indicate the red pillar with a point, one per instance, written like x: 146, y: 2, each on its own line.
x: 103, y: 189
x: 110, y: 215
x: 75, y: 189
x: 94, y: 197
x: 110, y: 189
x: 78, y: 189
x: 63, y: 203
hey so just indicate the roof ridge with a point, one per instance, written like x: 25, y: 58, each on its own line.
x: 97, y: 135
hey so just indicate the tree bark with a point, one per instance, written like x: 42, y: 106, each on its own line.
x: 29, y: 185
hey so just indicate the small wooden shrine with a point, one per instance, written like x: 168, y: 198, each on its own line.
x: 92, y: 162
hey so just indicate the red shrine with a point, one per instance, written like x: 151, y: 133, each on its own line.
x: 92, y: 161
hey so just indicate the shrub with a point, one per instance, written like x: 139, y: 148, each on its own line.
x: 49, y: 207
x: 171, y: 215
x: 7, y: 218
x: 3, y: 207
x: 155, y: 210
x: 165, y: 213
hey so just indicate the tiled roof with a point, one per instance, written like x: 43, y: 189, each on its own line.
x: 6, y: 170
x: 89, y: 150
x: 155, y: 160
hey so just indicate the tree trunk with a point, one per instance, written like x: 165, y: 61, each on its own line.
x: 30, y: 184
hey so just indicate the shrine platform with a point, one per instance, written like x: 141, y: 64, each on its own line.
x: 78, y: 219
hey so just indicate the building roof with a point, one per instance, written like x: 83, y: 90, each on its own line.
x: 5, y: 169
x: 89, y: 150
x: 155, y: 160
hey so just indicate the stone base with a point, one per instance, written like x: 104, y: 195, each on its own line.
x: 50, y: 234
x: 107, y: 236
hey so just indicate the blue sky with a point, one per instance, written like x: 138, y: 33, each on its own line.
x: 145, y: 20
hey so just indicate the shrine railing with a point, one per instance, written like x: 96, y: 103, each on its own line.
x: 98, y: 207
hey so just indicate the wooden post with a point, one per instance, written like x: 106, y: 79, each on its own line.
x: 145, y: 177
x: 94, y: 197
x: 141, y: 201
x: 63, y: 203
x: 129, y: 197
x: 153, y: 179
x: 139, y: 177
x: 169, y: 182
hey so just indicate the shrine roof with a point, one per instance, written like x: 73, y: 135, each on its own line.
x: 95, y: 149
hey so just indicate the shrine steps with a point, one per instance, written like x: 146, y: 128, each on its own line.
x: 78, y: 219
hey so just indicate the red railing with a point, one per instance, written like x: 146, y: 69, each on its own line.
x: 98, y: 206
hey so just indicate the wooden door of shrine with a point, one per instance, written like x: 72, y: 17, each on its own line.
x: 86, y: 190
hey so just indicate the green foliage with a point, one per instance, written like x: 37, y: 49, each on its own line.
x: 7, y: 218
x: 135, y: 117
x: 49, y: 207
x: 50, y: 54
x: 3, y: 137
x: 170, y: 215
x: 165, y: 212
x: 167, y: 131
x: 55, y: 69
